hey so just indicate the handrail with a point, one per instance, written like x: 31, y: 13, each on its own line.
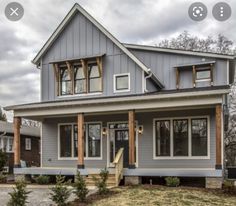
x: 118, y: 162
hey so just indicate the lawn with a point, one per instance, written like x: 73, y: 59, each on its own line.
x: 160, y: 195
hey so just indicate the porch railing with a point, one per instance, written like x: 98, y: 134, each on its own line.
x: 118, y: 163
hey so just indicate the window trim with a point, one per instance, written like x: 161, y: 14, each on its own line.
x: 203, y: 79
x: 8, y: 143
x: 114, y: 83
x: 72, y: 142
x: 189, y: 118
x: 30, y: 144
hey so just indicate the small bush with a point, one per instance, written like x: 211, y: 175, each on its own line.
x: 42, y: 180
x: 172, y: 181
x: 3, y: 178
x: 101, y: 183
x: 228, y: 187
x: 19, y: 195
x: 3, y: 159
x: 80, y: 188
x: 60, y: 193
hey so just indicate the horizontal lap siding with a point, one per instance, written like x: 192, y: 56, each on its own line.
x: 81, y: 38
x: 146, y: 141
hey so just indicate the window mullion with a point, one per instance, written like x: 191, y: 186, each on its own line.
x: 72, y: 141
x: 189, y: 138
x: 171, y: 138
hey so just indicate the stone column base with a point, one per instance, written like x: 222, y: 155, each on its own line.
x: 214, y: 182
x: 132, y: 180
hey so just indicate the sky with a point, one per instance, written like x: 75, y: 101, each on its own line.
x: 131, y: 21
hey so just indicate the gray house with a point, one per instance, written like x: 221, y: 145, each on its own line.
x: 137, y: 110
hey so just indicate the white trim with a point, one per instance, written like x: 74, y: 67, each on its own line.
x: 203, y: 80
x: 79, y: 95
x: 222, y: 139
x: 72, y: 143
x: 114, y: 83
x: 143, y: 82
x: 189, y: 118
x: 7, y: 138
x: 227, y: 75
x: 108, y: 142
x: 28, y: 144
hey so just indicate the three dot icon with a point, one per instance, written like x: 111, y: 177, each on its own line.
x: 221, y: 11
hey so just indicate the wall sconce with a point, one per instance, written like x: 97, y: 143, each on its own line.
x: 104, y: 130
x: 140, y: 129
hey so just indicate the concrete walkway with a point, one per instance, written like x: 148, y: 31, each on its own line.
x: 39, y: 196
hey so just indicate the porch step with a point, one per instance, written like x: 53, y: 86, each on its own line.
x: 111, y: 181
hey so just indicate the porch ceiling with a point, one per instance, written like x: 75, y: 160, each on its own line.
x: 161, y: 101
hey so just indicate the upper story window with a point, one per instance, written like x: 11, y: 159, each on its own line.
x: 80, y: 77
x: 122, y: 82
x: 203, y: 75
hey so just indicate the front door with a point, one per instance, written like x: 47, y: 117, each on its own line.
x: 122, y: 141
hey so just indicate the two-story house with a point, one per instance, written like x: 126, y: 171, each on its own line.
x: 137, y: 110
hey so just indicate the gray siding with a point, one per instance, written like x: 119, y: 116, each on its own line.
x: 162, y: 65
x: 145, y: 141
x: 81, y: 38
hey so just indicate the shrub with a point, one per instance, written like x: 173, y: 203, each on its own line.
x: 3, y: 159
x: 19, y: 195
x: 3, y: 178
x: 60, y: 192
x: 172, y: 181
x: 228, y: 187
x: 101, y: 182
x: 80, y: 188
x: 42, y: 180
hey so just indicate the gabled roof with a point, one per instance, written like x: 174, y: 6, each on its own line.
x: 66, y: 20
x: 178, y: 51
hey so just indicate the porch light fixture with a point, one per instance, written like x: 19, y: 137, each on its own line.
x: 140, y: 129
x: 104, y: 130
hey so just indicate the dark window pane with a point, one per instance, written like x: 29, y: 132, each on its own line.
x: 199, y: 137
x: 180, y: 132
x: 94, y: 140
x: 163, y: 138
x: 65, y: 81
x: 65, y: 140
x: 122, y: 82
x: 76, y: 142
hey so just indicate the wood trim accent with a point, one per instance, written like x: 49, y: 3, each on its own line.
x: 194, y: 76
x: 131, y: 139
x: 177, y: 78
x: 17, y: 124
x: 57, y: 77
x: 85, y: 68
x: 211, y: 70
x: 100, y: 67
x: 80, y: 140
x: 218, y: 136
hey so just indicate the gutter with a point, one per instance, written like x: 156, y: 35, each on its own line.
x: 145, y: 80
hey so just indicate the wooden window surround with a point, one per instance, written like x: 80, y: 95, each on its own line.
x: 85, y: 76
x: 200, y: 73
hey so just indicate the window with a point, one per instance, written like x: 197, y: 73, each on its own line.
x: 181, y: 138
x: 80, y: 80
x: 121, y: 82
x: 95, y: 78
x: 68, y: 140
x: 10, y: 145
x: 65, y: 81
x: 163, y: 138
x: 94, y: 140
x: 27, y: 144
x: 199, y: 137
x: 203, y: 75
x: 6, y: 144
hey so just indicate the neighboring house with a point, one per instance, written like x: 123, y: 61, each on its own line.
x: 164, y: 107
x: 29, y: 144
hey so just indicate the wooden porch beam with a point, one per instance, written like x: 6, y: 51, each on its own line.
x: 17, y: 124
x: 211, y: 72
x: 80, y: 164
x: 131, y: 139
x: 194, y: 76
x: 218, y: 137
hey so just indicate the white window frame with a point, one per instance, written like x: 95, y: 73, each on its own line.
x: 28, y: 148
x: 72, y: 142
x: 189, y: 138
x: 8, y: 144
x: 203, y: 79
x: 114, y: 83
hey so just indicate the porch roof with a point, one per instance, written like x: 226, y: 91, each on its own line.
x: 164, y: 99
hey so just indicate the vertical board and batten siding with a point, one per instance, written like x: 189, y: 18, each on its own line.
x: 162, y: 65
x: 145, y: 141
x: 81, y: 38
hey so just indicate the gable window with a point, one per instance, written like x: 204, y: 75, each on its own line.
x: 27, y: 144
x: 122, y: 82
x: 68, y: 140
x: 181, y: 138
x: 203, y: 75
x: 95, y: 78
x: 65, y: 81
x: 80, y: 80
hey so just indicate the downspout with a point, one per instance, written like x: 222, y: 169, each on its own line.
x: 145, y: 80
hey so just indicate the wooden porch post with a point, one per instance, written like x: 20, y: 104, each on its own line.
x: 17, y: 124
x: 80, y: 164
x: 131, y: 139
x: 218, y: 137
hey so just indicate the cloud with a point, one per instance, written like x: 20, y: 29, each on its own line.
x: 132, y: 21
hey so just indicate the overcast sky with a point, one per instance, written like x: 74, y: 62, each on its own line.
x: 131, y: 21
